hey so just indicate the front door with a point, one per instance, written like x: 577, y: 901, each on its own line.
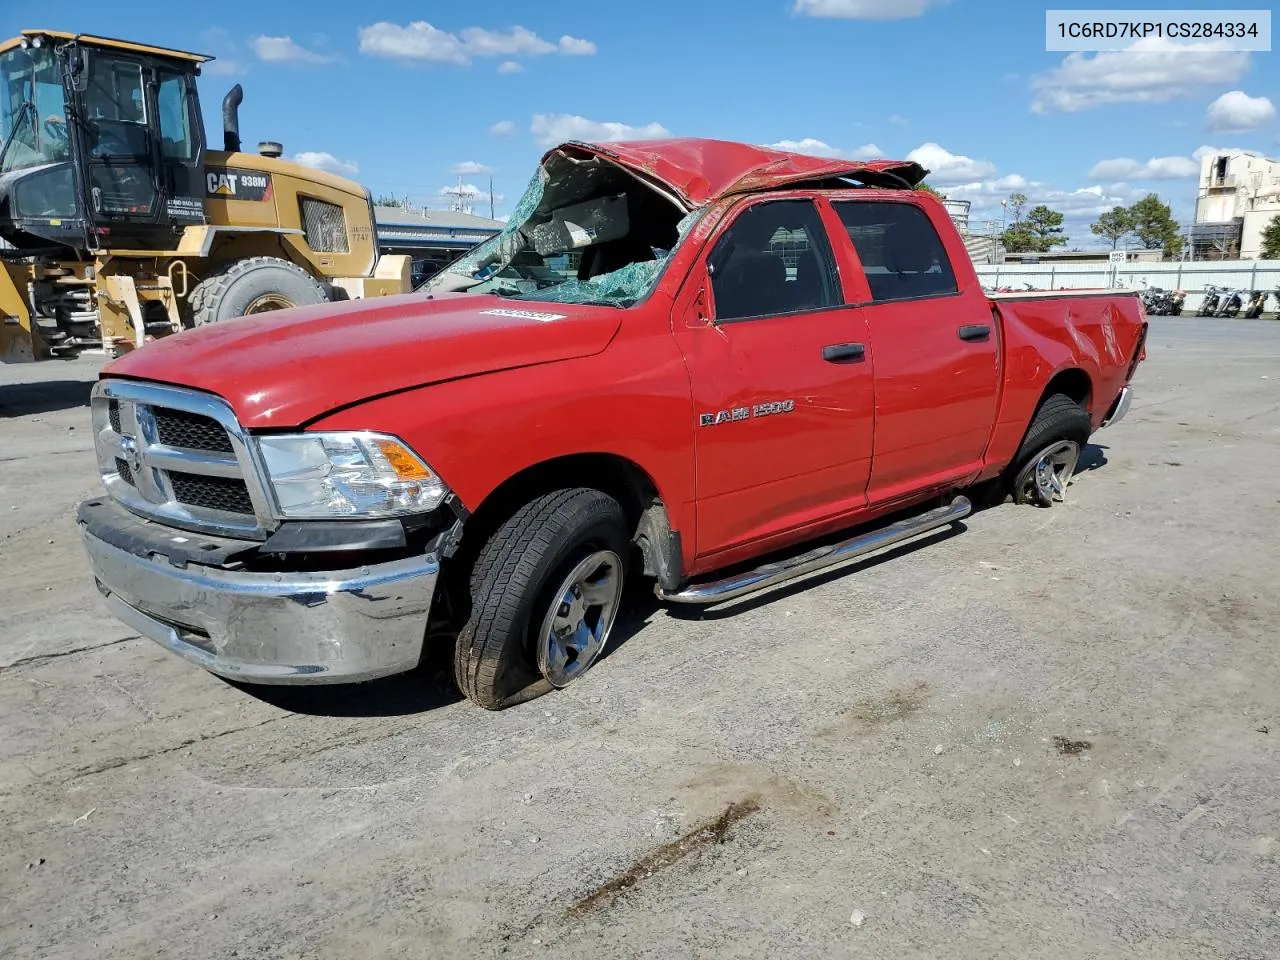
x: 118, y: 147
x: 937, y: 352
x: 781, y: 378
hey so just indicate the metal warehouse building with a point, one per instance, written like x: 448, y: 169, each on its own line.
x: 431, y: 237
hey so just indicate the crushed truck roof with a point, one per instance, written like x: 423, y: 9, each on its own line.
x: 700, y: 170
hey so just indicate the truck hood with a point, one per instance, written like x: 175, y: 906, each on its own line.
x: 285, y: 368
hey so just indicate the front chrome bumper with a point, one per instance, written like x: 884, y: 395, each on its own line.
x: 1120, y: 407
x: 332, y: 626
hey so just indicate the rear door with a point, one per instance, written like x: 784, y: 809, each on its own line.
x: 936, y: 350
x: 781, y: 378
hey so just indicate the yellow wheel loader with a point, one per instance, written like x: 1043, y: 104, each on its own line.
x: 118, y: 223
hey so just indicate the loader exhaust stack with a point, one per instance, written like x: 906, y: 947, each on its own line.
x: 231, y: 119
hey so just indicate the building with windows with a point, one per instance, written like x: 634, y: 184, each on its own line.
x: 432, y: 238
x: 1239, y: 195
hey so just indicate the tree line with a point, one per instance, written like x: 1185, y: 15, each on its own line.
x: 1149, y: 222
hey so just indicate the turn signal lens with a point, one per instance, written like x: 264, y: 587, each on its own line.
x: 404, y: 463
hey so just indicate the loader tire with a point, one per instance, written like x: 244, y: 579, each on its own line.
x: 522, y: 582
x: 253, y: 285
x: 1059, y: 425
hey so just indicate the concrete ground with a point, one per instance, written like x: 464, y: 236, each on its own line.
x: 1054, y: 734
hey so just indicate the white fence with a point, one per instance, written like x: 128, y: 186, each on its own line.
x: 1191, y: 276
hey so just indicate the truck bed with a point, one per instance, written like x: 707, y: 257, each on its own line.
x: 1063, y: 294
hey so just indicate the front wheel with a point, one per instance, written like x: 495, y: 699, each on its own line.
x: 545, y: 590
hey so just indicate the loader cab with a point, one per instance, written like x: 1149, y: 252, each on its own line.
x: 103, y: 144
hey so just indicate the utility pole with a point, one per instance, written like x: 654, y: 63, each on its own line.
x: 490, y: 196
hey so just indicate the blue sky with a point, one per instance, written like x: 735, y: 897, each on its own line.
x: 403, y: 95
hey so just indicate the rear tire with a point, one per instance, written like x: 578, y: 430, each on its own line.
x: 521, y: 588
x: 253, y: 285
x: 1047, y: 458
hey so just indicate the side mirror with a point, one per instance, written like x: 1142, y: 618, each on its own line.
x: 78, y: 69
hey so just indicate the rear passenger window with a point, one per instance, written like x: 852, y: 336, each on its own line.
x: 774, y: 259
x: 899, y: 249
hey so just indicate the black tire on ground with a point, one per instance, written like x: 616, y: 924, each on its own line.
x: 511, y: 585
x: 1058, y: 418
x: 256, y: 283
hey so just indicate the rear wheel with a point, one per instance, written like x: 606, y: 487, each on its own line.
x: 544, y: 592
x: 1048, y: 456
x: 254, y: 285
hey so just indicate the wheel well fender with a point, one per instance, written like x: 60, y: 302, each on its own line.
x: 1071, y: 382
x: 621, y: 478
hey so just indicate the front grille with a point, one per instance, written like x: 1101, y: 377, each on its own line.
x: 211, y: 493
x: 324, y: 225
x: 178, y: 457
x: 177, y: 428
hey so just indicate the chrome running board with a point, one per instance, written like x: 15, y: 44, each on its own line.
x: 772, y: 574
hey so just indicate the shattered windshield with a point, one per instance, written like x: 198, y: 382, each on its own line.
x: 581, y: 233
x: 33, y: 120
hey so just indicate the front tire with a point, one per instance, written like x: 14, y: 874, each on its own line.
x: 544, y: 591
x: 253, y: 285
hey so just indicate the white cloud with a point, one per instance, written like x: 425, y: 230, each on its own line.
x: 1157, y: 168
x: 819, y: 148
x: 417, y: 41
x: 492, y: 43
x: 322, y: 160
x: 947, y: 167
x: 469, y: 167
x: 284, y: 50
x: 503, y: 128
x: 898, y: 121
x: 814, y: 148
x: 510, y: 66
x: 1148, y: 71
x: 1208, y: 151
x: 865, y: 9
x: 550, y: 129
x: 1236, y: 111
x: 223, y: 67
x: 420, y: 40
x: 576, y: 47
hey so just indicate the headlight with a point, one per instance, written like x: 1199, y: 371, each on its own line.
x: 348, y: 475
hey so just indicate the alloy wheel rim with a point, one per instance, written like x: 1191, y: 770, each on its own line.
x: 1051, y: 471
x: 581, y: 614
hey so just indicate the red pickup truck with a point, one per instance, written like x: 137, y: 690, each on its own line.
x: 679, y: 358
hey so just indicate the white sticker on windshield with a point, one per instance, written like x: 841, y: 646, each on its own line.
x: 524, y: 314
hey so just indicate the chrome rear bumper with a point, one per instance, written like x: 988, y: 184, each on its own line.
x: 1120, y: 407
x: 325, y: 627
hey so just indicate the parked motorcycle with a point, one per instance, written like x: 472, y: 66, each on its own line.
x: 1231, y: 305
x: 1212, y: 299
x: 1163, y: 303
x: 1253, y: 308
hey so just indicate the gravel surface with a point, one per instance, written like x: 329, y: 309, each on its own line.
x: 1050, y: 734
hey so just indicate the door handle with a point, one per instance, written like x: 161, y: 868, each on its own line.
x: 844, y: 353
x: 974, y: 332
